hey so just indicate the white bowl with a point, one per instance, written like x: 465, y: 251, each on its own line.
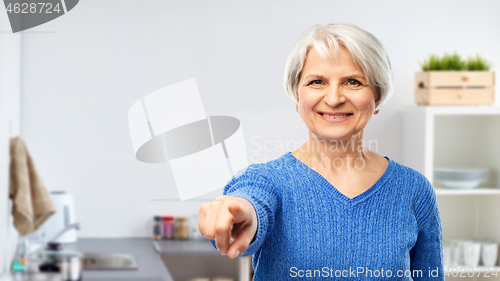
x: 461, y: 178
x: 461, y: 184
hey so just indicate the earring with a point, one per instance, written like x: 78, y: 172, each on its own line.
x: 376, y: 111
x: 297, y: 110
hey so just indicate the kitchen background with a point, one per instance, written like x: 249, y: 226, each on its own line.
x: 67, y: 85
x: 79, y: 75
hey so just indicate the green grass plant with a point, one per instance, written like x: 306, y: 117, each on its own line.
x: 454, y: 63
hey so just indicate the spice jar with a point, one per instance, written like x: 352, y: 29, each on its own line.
x: 157, y: 228
x: 168, y: 227
x: 181, y: 228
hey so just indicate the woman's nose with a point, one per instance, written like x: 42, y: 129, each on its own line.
x: 334, y: 96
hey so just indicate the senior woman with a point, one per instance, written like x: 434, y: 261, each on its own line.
x: 332, y: 208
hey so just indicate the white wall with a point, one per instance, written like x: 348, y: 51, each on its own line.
x: 82, y: 72
x: 10, y: 93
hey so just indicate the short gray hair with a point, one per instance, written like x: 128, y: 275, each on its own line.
x: 366, y: 50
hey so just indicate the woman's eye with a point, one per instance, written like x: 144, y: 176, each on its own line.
x: 353, y: 82
x: 315, y: 82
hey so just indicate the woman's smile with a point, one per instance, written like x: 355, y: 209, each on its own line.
x: 335, y: 118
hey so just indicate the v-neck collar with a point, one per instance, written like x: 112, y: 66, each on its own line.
x: 339, y: 195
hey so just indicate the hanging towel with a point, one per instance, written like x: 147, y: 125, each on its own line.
x: 32, y: 204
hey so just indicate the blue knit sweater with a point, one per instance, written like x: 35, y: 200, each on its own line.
x: 308, y: 230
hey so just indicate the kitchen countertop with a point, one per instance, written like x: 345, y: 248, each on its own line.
x: 151, y: 266
x: 147, y: 253
x: 185, y: 248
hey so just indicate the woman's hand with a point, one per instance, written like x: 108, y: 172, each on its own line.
x: 228, y: 217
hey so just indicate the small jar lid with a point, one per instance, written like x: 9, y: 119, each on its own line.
x: 181, y: 219
x: 168, y: 218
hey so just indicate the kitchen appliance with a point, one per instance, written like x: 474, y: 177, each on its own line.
x: 63, y: 217
x: 461, y: 178
x: 54, y: 259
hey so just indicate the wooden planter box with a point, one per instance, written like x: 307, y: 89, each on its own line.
x: 455, y: 88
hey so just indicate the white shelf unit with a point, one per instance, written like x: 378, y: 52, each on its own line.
x: 420, y: 134
x: 458, y: 137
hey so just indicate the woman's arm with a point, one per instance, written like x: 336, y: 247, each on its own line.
x: 254, y: 185
x: 427, y: 253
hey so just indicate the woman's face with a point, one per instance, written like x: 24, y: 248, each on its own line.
x: 331, y: 88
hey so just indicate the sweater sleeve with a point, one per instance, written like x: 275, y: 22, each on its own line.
x: 254, y: 185
x: 427, y: 253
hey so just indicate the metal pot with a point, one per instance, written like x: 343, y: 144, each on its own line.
x: 53, y: 259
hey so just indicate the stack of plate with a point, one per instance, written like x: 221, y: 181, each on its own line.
x: 461, y: 178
